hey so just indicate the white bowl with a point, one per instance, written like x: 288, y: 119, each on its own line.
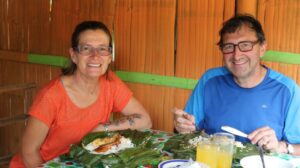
x: 270, y: 162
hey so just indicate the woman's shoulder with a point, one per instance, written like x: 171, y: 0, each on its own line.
x: 52, y: 89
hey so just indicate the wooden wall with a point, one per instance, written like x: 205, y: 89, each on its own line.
x: 165, y: 37
x: 281, y: 21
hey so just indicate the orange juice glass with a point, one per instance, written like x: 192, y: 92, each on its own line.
x: 225, y: 143
x: 206, y: 153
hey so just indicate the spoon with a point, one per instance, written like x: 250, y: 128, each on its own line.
x: 234, y: 131
x: 242, y: 134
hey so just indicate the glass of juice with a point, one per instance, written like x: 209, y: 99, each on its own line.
x: 206, y: 153
x: 225, y: 143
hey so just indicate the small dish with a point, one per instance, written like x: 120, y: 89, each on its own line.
x: 172, y: 163
x: 270, y: 161
x: 180, y: 163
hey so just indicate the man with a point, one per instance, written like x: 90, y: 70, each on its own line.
x: 244, y: 93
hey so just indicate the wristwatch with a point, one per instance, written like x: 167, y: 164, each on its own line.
x: 290, y: 148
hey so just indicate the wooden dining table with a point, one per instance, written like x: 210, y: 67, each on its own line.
x: 160, y: 138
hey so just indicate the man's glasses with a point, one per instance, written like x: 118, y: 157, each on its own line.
x: 89, y: 50
x: 243, y: 46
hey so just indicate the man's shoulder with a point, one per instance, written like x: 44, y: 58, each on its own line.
x: 281, y: 78
x: 214, y: 72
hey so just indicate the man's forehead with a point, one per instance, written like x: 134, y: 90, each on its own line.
x: 243, y: 30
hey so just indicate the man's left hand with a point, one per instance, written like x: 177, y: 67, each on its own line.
x: 265, y: 137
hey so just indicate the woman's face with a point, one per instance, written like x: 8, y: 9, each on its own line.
x: 93, y: 55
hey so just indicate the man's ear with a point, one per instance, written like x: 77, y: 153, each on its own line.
x: 73, y: 55
x: 263, y: 49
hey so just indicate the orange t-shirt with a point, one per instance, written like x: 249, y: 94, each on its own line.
x: 68, y: 123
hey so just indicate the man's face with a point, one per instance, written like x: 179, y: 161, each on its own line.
x: 243, y: 65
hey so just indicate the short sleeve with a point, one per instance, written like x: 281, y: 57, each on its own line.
x: 121, y: 93
x: 43, y: 107
x: 292, y: 126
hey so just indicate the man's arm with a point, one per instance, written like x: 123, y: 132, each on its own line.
x: 266, y: 138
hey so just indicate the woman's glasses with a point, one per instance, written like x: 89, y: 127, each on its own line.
x: 89, y: 50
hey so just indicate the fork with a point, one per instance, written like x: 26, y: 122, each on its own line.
x: 261, y: 155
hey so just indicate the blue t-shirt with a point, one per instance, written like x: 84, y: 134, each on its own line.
x: 218, y: 101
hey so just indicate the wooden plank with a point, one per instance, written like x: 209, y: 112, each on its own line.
x: 13, y: 56
x: 274, y: 16
x: 247, y: 6
x: 14, y: 87
x: 10, y: 140
x: 198, y: 24
x: 12, y: 120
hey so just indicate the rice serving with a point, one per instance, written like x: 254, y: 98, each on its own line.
x: 124, y: 144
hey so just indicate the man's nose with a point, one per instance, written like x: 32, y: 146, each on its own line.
x: 237, y: 52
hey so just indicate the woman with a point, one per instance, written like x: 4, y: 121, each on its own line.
x: 79, y: 101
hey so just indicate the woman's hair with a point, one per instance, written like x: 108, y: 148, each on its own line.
x: 84, y: 26
x: 236, y: 22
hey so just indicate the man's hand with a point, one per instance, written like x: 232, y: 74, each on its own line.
x: 184, y: 122
x: 266, y: 137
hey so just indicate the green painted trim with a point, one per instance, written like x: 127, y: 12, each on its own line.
x: 170, y: 81
x: 137, y: 77
x: 282, y: 57
x: 47, y: 59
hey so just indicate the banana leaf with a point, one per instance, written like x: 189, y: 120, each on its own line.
x: 135, y: 157
x: 92, y: 136
x: 111, y: 160
x: 189, y: 153
x: 137, y: 137
x: 76, y: 151
x: 180, y: 142
x: 140, y: 139
x: 247, y: 150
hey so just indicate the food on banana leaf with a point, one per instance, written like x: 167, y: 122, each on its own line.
x: 107, y: 145
x: 182, y: 146
x: 138, y: 154
x: 98, y: 142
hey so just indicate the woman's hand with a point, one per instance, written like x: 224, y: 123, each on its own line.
x: 183, y: 122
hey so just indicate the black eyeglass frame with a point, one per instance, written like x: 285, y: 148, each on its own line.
x: 253, y: 43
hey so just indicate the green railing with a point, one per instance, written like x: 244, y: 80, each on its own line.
x: 169, y: 81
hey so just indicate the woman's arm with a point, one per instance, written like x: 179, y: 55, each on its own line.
x: 34, y: 135
x: 136, y: 118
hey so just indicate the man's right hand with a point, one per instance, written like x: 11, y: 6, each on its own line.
x: 184, y: 122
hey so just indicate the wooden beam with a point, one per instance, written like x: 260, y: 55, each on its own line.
x: 14, y: 87
x: 12, y: 120
x: 13, y: 56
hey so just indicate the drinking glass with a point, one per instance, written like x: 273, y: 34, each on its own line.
x: 225, y: 148
x: 206, y: 153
